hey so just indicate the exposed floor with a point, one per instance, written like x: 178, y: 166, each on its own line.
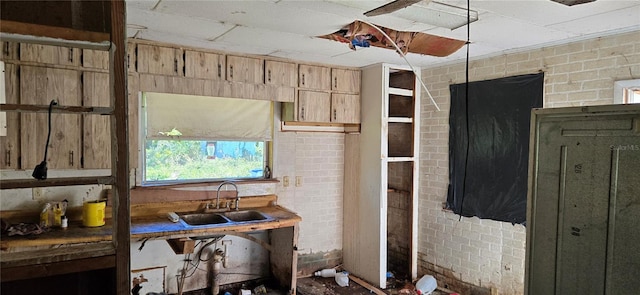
x: 328, y: 286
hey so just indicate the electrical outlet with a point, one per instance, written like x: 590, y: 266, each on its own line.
x: 298, y: 181
x: 285, y: 181
x: 37, y: 193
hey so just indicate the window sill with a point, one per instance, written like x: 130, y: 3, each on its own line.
x: 204, y: 183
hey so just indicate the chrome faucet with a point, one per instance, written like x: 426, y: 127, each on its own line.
x: 218, y: 194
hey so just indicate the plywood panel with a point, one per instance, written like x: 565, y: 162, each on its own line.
x: 95, y: 59
x: 345, y: 80
x: 39, y: 86
x: 313, y: 106
x: 160, y: 60
x: 345, y: 108
x: 10, y: 144
x: 245, y: 69
x: 134, y: 123
x: 50, y: 54
x: 281, y: 73
x: 204, y: 65
x: 96, y: 135
x: 314, y: 77
x: 9, y: 50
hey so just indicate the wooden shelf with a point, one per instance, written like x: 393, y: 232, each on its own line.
x: 56, y: 255
x: 400, y: 159
x: 401, y: 92
x: 56, y: 109
x: 30, y: 183
x: 400, y: 120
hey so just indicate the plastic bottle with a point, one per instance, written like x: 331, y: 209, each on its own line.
x: 342, y: 279
x: 326, y: 273
x: 426, y: 285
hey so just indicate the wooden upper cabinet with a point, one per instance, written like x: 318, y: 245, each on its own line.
x: 281, y: 73
x: 204, y: 65
x: 345, y: 108
x: 345, y: 80
x: 9, y: 50
x: 50, y: 54
x: 96, y: 136
x: 95, y: 59
x: 245, y: 69
x: 39, y: 86
x: 10, y: 144
x: 314, y: 77
x: 160, y: 60
x: 314, y: 106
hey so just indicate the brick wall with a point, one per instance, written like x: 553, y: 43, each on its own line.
x: 487, y: 253
x: 318, y: 159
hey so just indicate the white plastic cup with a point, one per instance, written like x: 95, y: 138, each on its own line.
x: 426, y: 285
x: 342, y: 278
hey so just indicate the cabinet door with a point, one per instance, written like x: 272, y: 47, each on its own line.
x: 160, y: 60
x: 345, y: 108
x: 313, y: 106
x: 204, y: 65
x: 39, y: 86
x: 345, y: 80
x: 9, y: 144
x: 314, y: 77
x: 50, y: 54
x: 96, y: 135
x: 9, y: 50
x: 245, y: 69
x: 281, y: 73
x: 95, y: 59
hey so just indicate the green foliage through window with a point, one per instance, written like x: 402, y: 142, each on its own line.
x: 176, y: 160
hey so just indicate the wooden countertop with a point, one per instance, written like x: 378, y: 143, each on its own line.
x: 149, y: 227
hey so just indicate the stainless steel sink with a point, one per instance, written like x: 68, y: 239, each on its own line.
x: 244, y: 216
x: 203, y: 218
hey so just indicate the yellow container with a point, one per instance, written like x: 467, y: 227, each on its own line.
x: 93, y: 213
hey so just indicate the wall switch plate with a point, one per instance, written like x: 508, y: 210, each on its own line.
x: 285, y: 181
x: 298, y: 181
x: 36, y: 193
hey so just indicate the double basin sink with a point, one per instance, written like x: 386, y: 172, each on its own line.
x: 223, y: 218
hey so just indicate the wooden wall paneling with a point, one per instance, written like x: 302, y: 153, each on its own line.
x: 245, y: 69
x: 314, y: 106
x: 160, y: 60
x: 96, y: 135
x: 9, y: 50
x: 134, y: 120
x: 50, y: 54
x: 345, y: 108
x: 96, y: 59
x: 39, y: 86
x: 132, y: 57
x: 344, y: 80
x: 204, y: 65
x: 284, y: 256
x: 10, y: 144
x: 314, y: 77
x: 281, y: 73
x: 351, y: 207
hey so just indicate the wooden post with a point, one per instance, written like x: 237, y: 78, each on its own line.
x: 120, y: 147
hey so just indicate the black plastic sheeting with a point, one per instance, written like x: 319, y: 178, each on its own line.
x: 489, y: 179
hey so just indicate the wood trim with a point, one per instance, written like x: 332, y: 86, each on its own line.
x: 57, y: 268
x: 30, y: 183
x: 20, y: 28
x: 202, y: 183
x: 55, y: 255
x: 54, y: 66
x: 4, y: 107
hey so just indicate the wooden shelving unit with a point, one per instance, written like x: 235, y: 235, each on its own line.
x: 381, y: 177
x: 112, y: 38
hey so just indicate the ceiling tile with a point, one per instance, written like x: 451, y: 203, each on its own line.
x: 200, y: 43
x: 603, y: 22
x: 176, y: 24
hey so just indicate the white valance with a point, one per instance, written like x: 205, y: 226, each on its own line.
x: 207, y: 118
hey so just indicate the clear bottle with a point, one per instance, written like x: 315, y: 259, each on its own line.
x: 326, y: 273
x: 426, y: 285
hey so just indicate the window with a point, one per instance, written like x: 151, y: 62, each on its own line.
x: 627, y: 91
x: 195, y: 138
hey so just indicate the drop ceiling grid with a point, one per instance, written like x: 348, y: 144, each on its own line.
x: 177, y: 24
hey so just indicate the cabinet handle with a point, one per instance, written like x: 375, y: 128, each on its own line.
x: 219, y: 70
x: 302, y: 112
x: 71, y: 158
x: 335, y: 83
x: 335, y: 113
x: 269, y: 75
x: 71, y: 55
x: 302, y: 79
x: 231, y: 72
x: 5, y: 49
x: 175, y: 65
x: 7, y: 159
